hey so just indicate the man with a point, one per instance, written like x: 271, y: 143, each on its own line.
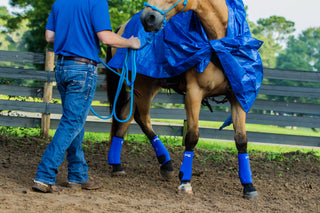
x: 75, y: 27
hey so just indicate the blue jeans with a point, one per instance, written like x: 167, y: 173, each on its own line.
x: 77, y: 83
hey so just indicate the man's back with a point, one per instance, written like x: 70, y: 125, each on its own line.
x: 75, y: 23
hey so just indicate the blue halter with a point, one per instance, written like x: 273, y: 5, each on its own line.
x: 165, y: 12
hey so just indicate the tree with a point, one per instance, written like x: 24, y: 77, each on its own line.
x: 122, y: 10
x: 274, y: 31
x: 36, y: 12
x: 3, y: 41
x: 302, y: 53
x: 276, y: 27
x: 11, y: 39
x: 6, y: 41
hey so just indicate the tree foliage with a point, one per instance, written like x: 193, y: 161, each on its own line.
x: 274, y: 31
x: 36, y: 12
x: 11, y: 39
x: 122, y: 10
x: 302, y: 53
x: 276, y: 27
x: 3, y: 31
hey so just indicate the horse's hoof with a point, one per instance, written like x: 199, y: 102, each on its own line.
x: 249, y: 192
x: 166, y: 170
x: 117, y: 170
x: 251, y: 195
x: 186, y: 188
x: 118, y: 173
x: 168, y: 175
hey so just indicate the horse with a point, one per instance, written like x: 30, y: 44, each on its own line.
x: 143, y: 95
x: 196, y: 86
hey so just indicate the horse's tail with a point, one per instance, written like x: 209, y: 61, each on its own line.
x: 112, y: 85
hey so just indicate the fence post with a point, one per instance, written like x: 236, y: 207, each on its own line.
x: 47, y: 93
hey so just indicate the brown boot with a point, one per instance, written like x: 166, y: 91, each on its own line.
x: 45, y: 188
x: 89, y: 185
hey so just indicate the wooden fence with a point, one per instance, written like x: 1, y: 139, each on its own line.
x: 266, y: 112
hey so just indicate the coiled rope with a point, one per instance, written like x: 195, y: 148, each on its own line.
x: 124, y: 76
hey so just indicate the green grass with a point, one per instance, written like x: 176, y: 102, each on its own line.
x: 218, y: 146
x: 254, y: 147
x: 253, y: 128
x: 207, y: 144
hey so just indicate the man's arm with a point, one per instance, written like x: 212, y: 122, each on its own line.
x: 50, y: 36
x: 112, y: 39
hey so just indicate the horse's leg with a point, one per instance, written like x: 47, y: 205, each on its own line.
x: 147, y: 90
x: 117, y: 133
x: 245, y: 175
x: 193, y: 99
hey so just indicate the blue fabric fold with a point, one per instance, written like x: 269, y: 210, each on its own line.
x: 183, y: 44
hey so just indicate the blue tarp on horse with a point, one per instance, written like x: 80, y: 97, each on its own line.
x: 183, y: 44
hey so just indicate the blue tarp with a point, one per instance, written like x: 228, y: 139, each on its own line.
x: 183, y: 44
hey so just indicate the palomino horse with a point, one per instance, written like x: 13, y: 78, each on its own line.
x: 213, y: 15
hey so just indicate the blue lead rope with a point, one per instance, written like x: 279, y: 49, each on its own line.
x: 124, y: 76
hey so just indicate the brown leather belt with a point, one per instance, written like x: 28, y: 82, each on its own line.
x: 80, y: 59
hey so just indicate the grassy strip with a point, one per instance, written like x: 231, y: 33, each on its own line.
x: 274, y: 152
x: 217, y: 146
x: 253, y: 128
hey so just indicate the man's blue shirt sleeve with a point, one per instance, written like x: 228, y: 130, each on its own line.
x: 50, y: 22
x: 100, y: 16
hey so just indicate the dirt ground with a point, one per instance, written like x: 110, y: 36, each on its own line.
x: 291, y: 185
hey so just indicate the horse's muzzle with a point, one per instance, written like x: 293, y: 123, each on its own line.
x: 151, y: 20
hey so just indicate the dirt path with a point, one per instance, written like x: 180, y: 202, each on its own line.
x: 291, y: 185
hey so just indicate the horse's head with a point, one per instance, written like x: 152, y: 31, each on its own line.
x: 157, y: 12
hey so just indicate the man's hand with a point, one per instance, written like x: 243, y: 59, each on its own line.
x: 135, y: 42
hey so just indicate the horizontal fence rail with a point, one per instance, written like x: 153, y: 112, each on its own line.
x: 22, y: 57
x: 266, y: 112
x: 292, y: 75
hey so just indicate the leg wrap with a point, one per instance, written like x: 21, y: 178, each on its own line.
x: 161, y: 151
x: 114, y: 153
x: 245, y: 174
x: 186, y: 167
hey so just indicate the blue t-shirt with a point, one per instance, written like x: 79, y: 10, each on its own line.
x: 76, y: 23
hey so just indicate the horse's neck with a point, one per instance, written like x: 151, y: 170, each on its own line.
x: 213, y: 15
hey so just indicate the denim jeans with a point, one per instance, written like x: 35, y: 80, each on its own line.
x: 77, y: 83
